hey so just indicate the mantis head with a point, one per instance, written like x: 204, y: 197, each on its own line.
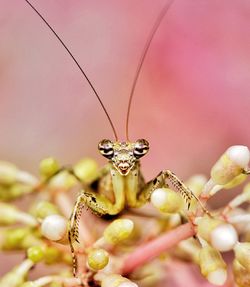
x: 123, y: 155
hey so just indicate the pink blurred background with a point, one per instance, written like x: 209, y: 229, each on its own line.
x: 192, y: 99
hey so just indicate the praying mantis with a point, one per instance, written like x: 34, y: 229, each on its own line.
x: 121, y: 176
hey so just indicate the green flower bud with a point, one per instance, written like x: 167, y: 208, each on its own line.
x: 8, y: 173
x: 16, y: 190
x: 48, y: 167
x: 236, y: 181
x: 63, y: 180
x: 118, y: 230
x: 241, y: 274
x: 19, y: 189
x: 32, y: 239
x: 13, y: 238
x: 7, y: 214
x: 43, y: 209
x: 242, y: 254
x: 10, y: 215
x: 86, y: 170
x: 51, y: 255
x: 212, y: 265
x: 98, y: 259
x: 35, y: 254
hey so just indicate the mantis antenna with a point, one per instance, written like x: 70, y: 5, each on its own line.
x: 78, y: 65
x: 143, y: 56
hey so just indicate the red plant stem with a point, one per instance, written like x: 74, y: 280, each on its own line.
x: 154, y: 248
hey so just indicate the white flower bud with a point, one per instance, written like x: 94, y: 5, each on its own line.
x: 231, y: 164
x: 219, y: 234
x: 212, y: 265
x: 217, y: 277
x: 167, y: 200
x: 54, y: 227
x: 224, y: 237
x: 239, y: 155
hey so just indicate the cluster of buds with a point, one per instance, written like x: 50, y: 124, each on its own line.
x: 126, y: 251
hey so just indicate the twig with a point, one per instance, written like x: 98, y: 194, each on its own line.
x: 154, y: 248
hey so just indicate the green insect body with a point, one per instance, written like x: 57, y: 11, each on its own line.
x: 120, y: 185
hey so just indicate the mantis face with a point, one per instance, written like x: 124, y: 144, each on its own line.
x: 123, y: 155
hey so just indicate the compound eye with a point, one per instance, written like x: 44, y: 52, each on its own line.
x: 141, y: 148
x: 106, y: 148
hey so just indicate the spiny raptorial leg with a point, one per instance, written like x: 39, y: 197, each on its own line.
x: 98, y: 204
x: 75, y: 218
x: 161, y: 180
x: 94, y: 203
x: 74, y: 230
x: 186, y: 192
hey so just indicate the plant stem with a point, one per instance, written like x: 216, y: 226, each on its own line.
x: 50, y: 279
x: 154, y: 248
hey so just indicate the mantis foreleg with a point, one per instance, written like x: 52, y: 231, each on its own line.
x: 161, y: 180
